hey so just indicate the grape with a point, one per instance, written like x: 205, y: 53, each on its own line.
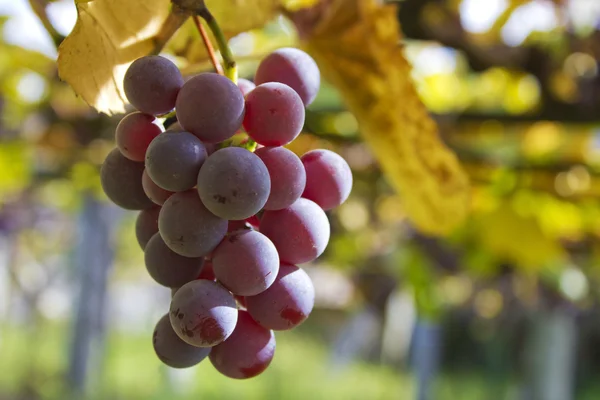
x: 146, y: 225
x: 152, y: 83
x: 121, y: 180
x: 134, y: 133
x: 203, y: 313
x: 174, y: 159
x: 187, y: 227
x: 287, y: 176
x: 293, y: 67
x: 287, y: 303
x: 300, y: 232
x: 246, y: 263
x: 247, y: 352
x: 244, y: 224
x: 211, y: 107
x: 234, y: 183
x: 207, y: 271
x: 175, y: 127
x: 173, y: 351
x: 157, y: 194
x: 274, y: 114
x: 245, y: 86
x: 328, y: 178
x: 167, y: 267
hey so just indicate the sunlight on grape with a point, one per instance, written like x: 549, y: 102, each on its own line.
x: 479, y: 16
x: 574, y: 284
x: 530, y: 17
x: 32, y: 87
x: 488, y: 303
x: 353, y: 215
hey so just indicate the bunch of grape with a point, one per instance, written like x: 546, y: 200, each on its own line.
x: 223, y: 226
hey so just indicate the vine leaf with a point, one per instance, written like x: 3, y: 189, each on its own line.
x: 110, y: 34
x: 356, y: 44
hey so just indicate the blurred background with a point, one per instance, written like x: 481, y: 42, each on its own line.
x: 505, y: 308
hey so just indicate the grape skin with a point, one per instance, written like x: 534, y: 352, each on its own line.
x: 288, y: 177
x: 152, y: 83
x: 287, y: 303
x: 293, y: 67
x: 211, y: 107
x: 146, y: 225
x: 187, y: 227
x: 157, y: 194
x: 168, y: 268
x: 134, y: 134
x: 203, y: 313
x: 174, y: 159
x: 173, y: 351
x: 248, y: 351
x: 234, y: 183
x: 246, y: 263
x: 121, y: 180
x: 274, y: 114
x: 245, y: 86
x: 328, y: 178
x: 299, y: 232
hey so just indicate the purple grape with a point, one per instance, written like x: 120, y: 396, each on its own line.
x: 274, y: 114
x: 299, y: 232
x: 207, y: 272
x: 173, y: 160
x: 152, y: 83
x: 203, y: 313
x: 157, y: 194
x: 287, y: 174
x: 328, y: 178
x: 175, y: 127
x: 234, y: 183
x: 168, y: 268
x: 211, y: 107
x: 246, y: 263
x: 245, y: 86
x: 121, y: 180
x: 146, y: 225
x: 287, y: 303
x: 187, y: 227
x: 293, y: 67
x: 134, y: 134
x: 173, y: 351
x: 248, y: 351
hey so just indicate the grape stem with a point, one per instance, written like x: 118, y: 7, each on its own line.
x: 174, y: 21
x: 209, y: 47
x: 229, y: 65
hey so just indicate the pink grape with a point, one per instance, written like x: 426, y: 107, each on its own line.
x: 328, y: 178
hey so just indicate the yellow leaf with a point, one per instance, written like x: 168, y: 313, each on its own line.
x: 517, y: 238
x: 357, y: 46
x: 110, y: 34
x: 234, y: 17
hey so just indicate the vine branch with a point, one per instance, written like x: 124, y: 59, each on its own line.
x: 230, y: 67
x: 174, y: 21
x: 209, y: 47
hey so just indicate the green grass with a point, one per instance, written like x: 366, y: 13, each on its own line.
x: 131, y: 371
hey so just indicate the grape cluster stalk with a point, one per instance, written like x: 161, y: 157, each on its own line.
x: 222, y: 226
